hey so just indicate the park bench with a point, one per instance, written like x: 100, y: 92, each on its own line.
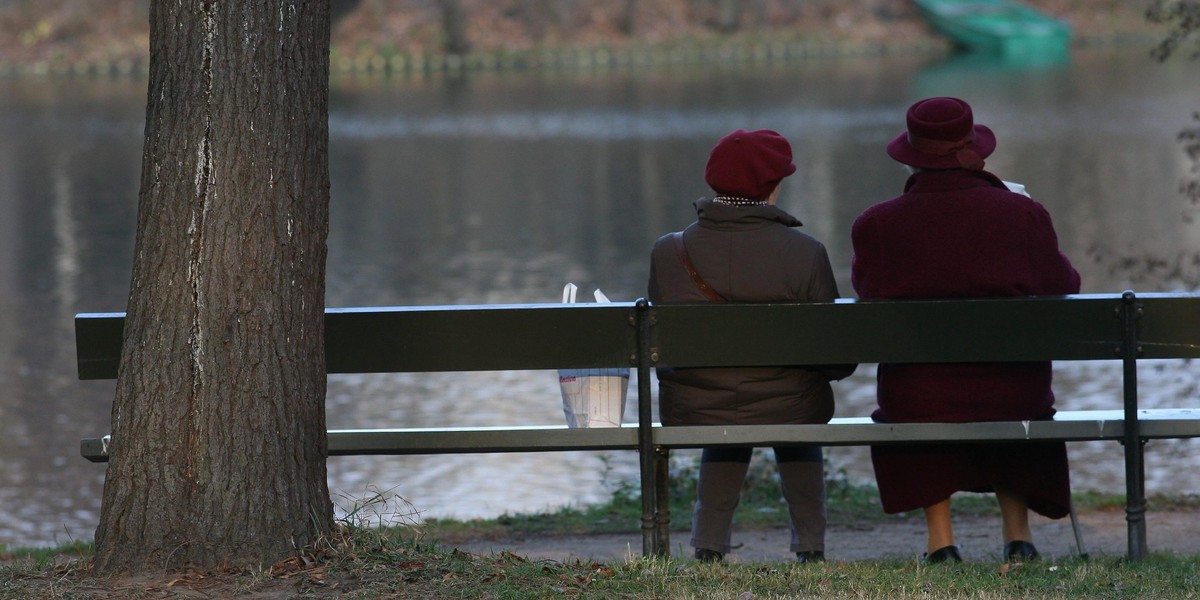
x: 1100, y: 327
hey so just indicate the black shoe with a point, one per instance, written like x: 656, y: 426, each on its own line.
x: 1020, y: 550
x: 949, y: 553
x: 706, y: 555
x: 810, y: 556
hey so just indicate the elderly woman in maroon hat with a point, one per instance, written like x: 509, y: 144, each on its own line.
x: 958, y: 231
x: 743, y: 248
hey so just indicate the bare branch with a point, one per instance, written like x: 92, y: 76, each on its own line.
x: 1183, y: 18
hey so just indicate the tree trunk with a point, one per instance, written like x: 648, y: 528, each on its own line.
x: 627, y: 18
x: 218, y: 424
x: 454, y: 26
x: 728, y: 15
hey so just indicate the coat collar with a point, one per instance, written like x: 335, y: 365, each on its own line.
x: 723, y: 216
x: 949, y: 180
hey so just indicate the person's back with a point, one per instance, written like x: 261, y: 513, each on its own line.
x: 746, y: 254
x: 959, y: 233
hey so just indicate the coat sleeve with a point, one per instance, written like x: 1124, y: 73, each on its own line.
x: 822, y: 286
x: 861, y: 262
x: 1053, y: 273
x: 824, y: 289
x: 653, y: 293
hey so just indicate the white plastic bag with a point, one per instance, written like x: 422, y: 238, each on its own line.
x: 592, y: 397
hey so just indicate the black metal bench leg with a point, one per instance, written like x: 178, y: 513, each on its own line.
x: 648, y: 454
x: 1135, y: 475
x: 1135, y: 501
x: 649, y: 491
x: 662, y: 501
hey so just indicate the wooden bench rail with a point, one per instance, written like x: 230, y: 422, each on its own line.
x: 1068, y: 426
x: 1122, y: 327
x: 1086, y: 425
x: 429, y: 339
x: 552, y: 336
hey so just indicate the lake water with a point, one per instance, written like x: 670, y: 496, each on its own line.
x: 500, y: 188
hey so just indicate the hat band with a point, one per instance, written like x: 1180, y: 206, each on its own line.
x: 962, y: 150
x: 939, y: 147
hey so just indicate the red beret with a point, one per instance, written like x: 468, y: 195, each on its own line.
x: 749, y: 164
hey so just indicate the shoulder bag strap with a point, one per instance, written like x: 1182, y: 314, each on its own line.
x: 709, y: 293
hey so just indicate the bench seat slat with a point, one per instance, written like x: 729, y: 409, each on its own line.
x: 1067, y: 426
x: 853, y: 431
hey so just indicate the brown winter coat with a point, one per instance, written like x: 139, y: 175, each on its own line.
x: 747, y: 254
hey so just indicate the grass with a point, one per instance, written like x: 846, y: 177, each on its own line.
x: 42, y: 557
x: 512, y: 577
x: 390, y: 557
x: 377, y: 564
x: 847, y: 503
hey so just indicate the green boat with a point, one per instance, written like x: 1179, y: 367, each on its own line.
x: 1002, y: 27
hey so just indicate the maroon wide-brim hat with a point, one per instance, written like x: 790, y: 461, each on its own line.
x: 942, y: 134
x: 749, y: 164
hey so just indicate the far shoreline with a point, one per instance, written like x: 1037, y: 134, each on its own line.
x: 359, y: 58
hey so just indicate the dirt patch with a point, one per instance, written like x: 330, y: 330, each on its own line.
x: 1103, y: 533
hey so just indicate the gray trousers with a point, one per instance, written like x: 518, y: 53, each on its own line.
x: 719, y: 489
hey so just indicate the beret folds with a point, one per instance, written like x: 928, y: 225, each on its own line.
x: 749, y: 164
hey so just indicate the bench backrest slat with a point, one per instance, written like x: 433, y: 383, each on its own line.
x: 1046, y: 328
x: 430, y: 338
x: 474, y: 338
x: 550, y: 336
x: 98, y: 344
x: 1170, y: 326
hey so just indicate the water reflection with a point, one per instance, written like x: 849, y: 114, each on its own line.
x: 500, y: 188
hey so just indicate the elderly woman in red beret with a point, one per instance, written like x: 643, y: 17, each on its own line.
x: 743, y: 248
x: 958, y: 231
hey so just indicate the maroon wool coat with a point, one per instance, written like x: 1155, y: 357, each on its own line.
x: 747, y: 254
x: 959, y: 233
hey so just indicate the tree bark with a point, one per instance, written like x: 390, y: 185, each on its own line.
x: 218, y: 424
x: 454, y: 26
x: 728, y: 15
